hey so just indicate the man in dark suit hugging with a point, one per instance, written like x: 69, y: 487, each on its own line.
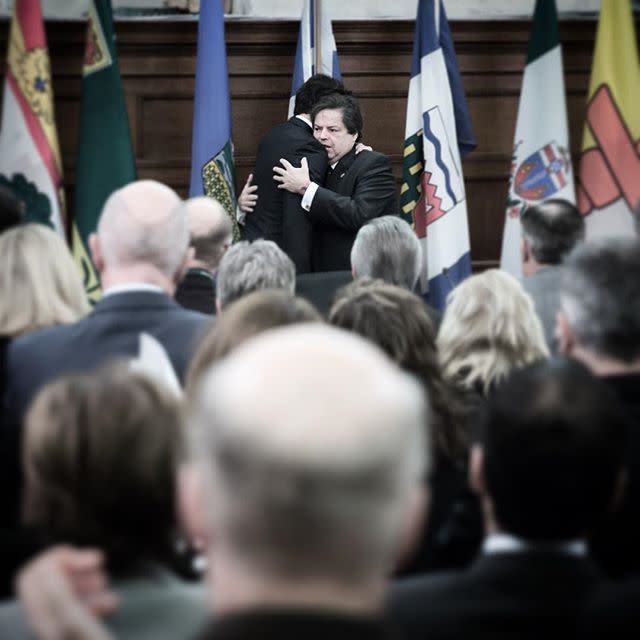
x: 358, y: 187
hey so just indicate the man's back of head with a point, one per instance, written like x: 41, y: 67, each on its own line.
x: 387, y: 248
x: 552, y: 446
x: 550, y: 230
x: 248, y: 267
x: 600, y: 304
x: 142, y: 236
x: 210, y: 231
x: 313, y: 90
x: 310, y: 485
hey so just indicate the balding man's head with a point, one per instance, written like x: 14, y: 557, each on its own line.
x: 313, y: 477
x: 141, y: 227
x: 210, y: 231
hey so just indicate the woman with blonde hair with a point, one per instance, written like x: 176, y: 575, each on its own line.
x: 40, y: 286
x: 489, y: 328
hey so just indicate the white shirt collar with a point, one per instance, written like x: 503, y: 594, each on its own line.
x: 505, y: 543
x: 305, y: 119
x: 129, y: 287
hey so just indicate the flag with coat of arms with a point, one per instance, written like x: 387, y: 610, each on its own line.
x: 212, y: 164
x: 438, y: 133
x: 305, y: 63
x: 541, y: 161
x: 30, y: 161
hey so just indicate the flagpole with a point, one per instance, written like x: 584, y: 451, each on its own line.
x: 317, y: 24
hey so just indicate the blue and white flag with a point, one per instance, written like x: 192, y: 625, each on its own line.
x: 212, y: 167
x: 438, y: 133
x: 305, y: 65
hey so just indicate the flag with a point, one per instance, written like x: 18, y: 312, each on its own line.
x: 30, y: 162
x: 105, y: 160
x: 212, y: 167
x: 305, y: 64
x: 541, y: 160
x: 438, y: 132
x: 609, y: 170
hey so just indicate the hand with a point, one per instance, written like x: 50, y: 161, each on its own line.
x: 248, y: 198
x: 294, y: 179
x: 362, y: 147
x: 62, y: 589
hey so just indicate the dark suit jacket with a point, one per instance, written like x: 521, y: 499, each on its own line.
x: 320, y: 288
x: 300, y: 624
x: 197, y: 291
x: 278, y: 215
x: 360, y: 188
x: 111, y: 329
x: 502, y: 595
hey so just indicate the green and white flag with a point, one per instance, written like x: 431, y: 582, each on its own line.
x: 541, y: 161
x: 105, y: 155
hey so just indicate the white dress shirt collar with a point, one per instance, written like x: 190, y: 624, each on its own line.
x: 506, y: 543
x: 130, y: 287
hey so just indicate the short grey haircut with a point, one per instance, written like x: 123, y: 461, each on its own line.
x: 552, y: 229
x: 387, y: 248
x: 307, y: 481
x: 600, y: 296
x: 247, y: 267
x: 142, y: 223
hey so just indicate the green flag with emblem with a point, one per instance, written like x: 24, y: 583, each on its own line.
x: 105, y: 159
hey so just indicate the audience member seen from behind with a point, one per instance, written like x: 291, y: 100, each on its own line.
x: 210, y: 235
x: 489, y: 328
x: 11, y: 210
x: 242, y: 319
x: 100, y: 456
x: 548, y: 468
x: 550, y: 230
x: 398, y: 322
x: 40, y: 286
x: 248, y: 267
x: 285, y: 562
x: 599, y: 325
x: 290, y: 562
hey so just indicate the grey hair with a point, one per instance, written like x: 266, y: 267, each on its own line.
x: 552, y: 229
x: 247, y: 267
x: 294, y: 492
x: 387, y: 248
x: 157, y: 232
x: 600, y: 296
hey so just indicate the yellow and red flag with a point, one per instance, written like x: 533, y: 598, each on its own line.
x: 30, y: 163
x: 609, y: 171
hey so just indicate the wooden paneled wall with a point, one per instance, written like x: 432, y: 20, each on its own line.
x: 157, y: 61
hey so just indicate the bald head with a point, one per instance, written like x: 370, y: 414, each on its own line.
x: 210, y: 231
x: 314, y: 475
x: 141, y: 226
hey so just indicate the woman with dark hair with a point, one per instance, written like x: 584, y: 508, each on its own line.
x: 398, y: 322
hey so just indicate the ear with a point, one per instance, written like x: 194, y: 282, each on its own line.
x: 96, y: 252
x: 184, y: 265
x: 191, y: 506
x: 414, y: 524
x: 524, y: 250
x: 564, y: 334
x: 354, y: 275
x: 477, y: 477
x: 619, y: 489
x: 218, y: 306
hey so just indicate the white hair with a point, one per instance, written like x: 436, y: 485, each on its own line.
x: 312, y: 477
x: 142, y: 223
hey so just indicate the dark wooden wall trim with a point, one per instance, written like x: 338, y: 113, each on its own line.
x: 157, y: 61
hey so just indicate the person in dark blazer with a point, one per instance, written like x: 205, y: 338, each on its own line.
x: 210, y: 236
x: 140, y: 252
x: 358, y: 186
x: 548, y: 469
x: 277, y: 214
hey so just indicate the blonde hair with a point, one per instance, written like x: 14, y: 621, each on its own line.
x: 489, y: 328
x: 35, y: 264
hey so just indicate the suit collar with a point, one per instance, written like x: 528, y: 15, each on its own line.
x: 299, y: 122
x: 345, y: 162
x: 135, y: 300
